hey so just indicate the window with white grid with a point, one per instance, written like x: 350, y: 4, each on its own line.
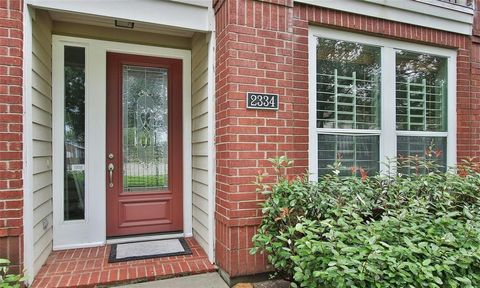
x: 373, y: 99
x: 348, y: 104
x: 421, y: 105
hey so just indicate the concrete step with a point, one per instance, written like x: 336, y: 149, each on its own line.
x: 208, y: 280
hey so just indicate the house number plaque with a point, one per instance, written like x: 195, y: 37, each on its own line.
x: 262, y: 101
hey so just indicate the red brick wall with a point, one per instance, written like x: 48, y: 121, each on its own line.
x: 254, y: 54
x: 262, y: 46
x: 473, y: 104
x: 11, y: 117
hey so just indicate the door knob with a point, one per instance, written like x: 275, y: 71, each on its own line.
x: 110, y: 173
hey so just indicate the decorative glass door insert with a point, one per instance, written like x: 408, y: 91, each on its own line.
x: 145, y: 128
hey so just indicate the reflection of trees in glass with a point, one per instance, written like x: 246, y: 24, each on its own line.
x: 74, y: 133
x: 74, y: 103
x: 348, y: 57
x: 421, y: 91
x: 415, y: 67
x: 356, y: 68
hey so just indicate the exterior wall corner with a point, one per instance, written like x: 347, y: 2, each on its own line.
x: 11, y: 133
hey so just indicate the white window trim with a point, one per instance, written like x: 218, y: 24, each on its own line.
x: 27, y: 174
x: 211, y: 145
x: 388, y: 133
x: 92, y: 231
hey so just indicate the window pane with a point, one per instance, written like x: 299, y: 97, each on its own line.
x: 426, y: 148
x: 348, y: 85
x: 357, y: 151
x: 421, y: 92
x: 74, y: 133
x: 145, y: 128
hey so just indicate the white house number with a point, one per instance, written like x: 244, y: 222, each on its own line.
x: 262, y: 101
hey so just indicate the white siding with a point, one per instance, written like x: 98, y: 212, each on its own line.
x: 200, y: 171
x: 42, y: 137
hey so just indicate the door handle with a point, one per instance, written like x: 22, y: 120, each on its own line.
x: 110, y: 173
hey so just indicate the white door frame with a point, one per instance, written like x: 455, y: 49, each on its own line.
x: 92, y: 230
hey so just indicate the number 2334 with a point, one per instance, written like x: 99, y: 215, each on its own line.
x: 262, y: 101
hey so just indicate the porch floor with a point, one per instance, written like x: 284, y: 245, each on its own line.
x: 89, y: 267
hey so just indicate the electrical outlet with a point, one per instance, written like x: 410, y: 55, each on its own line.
x: 45, y: 223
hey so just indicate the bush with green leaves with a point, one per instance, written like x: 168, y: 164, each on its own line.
x: 415, y: 230
x: 9, y: 280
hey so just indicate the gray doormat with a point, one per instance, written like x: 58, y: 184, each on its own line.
x: 148, y: 249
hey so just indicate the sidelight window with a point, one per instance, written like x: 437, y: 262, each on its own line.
x: 74, y: 133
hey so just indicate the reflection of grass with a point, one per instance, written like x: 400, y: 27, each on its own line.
x: 145, y: 181
x: 77, y: 175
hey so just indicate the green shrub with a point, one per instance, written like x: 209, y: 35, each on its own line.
x: 9, y: 280
x: 419, y: 230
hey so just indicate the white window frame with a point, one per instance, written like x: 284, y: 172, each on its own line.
x: 388, y: 133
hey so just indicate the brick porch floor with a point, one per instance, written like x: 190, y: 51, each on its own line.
x: 89, y: 267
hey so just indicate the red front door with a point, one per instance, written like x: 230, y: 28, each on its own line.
x: 144, y: 145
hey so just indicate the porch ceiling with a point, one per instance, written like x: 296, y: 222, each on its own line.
x: 162, y: 16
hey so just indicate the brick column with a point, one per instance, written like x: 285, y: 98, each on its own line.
x: 255, y: 53
x: 11, y: 126
x: 472, y: 107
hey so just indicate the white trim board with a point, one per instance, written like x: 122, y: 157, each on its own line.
x: 421, y: 13
x: 28, y: 256
x: 144, y: 238
x: 388, y: 133
x: 92, y: 230
x: 211, y: 147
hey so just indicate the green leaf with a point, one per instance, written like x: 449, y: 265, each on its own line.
x: 438, y: 280
x: 4, y: 261
x: 426, y: 262
x: 463, y: 280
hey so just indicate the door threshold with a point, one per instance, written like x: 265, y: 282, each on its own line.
x: 138, y: 238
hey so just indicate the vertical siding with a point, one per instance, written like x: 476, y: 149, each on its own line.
x: 42, y: 136
x: 200, y: 171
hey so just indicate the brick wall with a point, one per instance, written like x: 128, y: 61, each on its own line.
x: 254, y: 54
x: 474, y: 104
x: 262, y: 46
x: 11, y: 117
